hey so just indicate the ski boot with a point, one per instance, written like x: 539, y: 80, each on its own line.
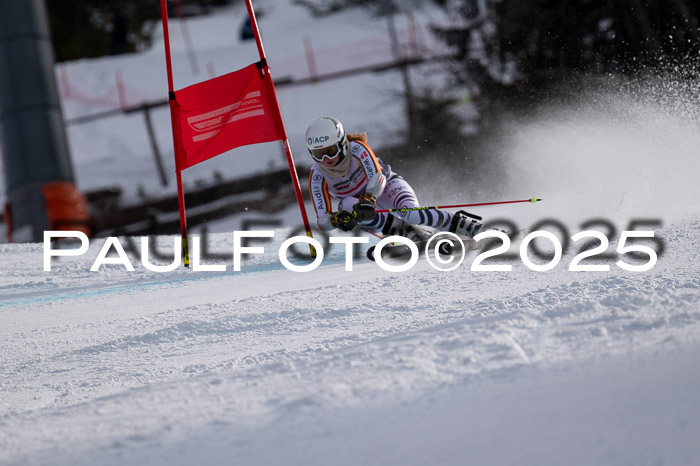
x: 465, y: 224
x: 394, y: 226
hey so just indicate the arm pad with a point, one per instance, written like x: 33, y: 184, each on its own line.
x: 376, y: 184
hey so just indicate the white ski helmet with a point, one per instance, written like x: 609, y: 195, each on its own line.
x: 326, y: 138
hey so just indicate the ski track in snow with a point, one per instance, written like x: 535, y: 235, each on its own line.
x: 124, y: 361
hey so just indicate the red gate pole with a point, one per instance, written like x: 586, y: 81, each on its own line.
x: 265, y: 71
x: 177, y: 139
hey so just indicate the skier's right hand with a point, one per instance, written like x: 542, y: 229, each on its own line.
x: 365, y: 208
x: 344, y: 220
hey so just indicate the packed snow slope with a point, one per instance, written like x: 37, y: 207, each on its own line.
x: 270, y: 366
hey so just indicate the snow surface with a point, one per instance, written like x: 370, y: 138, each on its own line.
x: 268, y: 366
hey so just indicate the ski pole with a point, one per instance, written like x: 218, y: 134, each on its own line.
x: 534, y: 200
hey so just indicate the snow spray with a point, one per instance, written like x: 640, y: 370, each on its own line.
x: 630, y: 151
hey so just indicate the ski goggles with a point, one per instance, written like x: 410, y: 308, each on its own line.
x: 329, y: 152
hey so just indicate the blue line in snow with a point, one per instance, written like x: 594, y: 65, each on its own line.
x: 64, y: 296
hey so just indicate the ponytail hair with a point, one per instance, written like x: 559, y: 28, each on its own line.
x: 357, y: 137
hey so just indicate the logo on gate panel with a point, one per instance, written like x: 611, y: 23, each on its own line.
x: 249, y: 106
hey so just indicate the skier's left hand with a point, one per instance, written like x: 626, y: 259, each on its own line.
x: 365, y: 208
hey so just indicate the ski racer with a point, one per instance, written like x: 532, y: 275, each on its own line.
x: 346, y: 168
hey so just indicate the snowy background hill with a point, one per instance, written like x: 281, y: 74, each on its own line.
x: 268, y: 366
x: 116, y: 152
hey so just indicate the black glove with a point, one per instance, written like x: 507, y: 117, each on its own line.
x: 344, y: 220
x: 364, y: 208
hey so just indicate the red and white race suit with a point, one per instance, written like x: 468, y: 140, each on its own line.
x: 367, y: 173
